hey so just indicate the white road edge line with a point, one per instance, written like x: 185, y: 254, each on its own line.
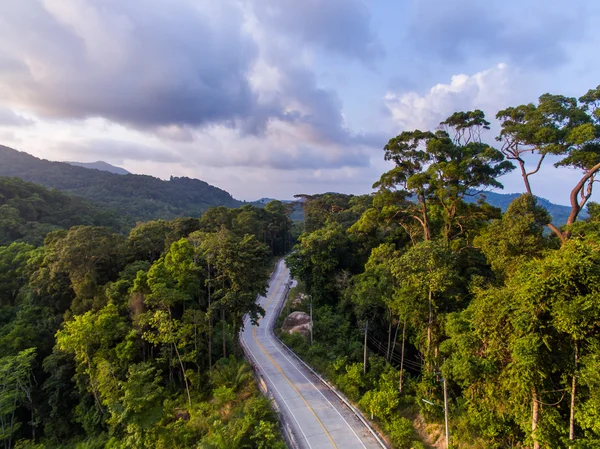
x: 274, y: 386
x: 279, y: 393
x: 269, y: 331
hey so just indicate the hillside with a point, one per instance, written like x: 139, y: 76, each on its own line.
x: 558, y: 212
x: 29, y: 211
x: 140, y: 197
x: 100, y: 165
x: 297, y: 211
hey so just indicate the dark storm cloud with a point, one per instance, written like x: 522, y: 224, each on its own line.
x: 532, y: 33
x: 142, y: 63
x: 339, y: 26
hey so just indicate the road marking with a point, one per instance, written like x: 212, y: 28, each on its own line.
x: 308, y: 380
x: 281, y: 396
x: 282, y: 373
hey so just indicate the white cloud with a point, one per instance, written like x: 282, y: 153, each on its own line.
x: 489, y: 90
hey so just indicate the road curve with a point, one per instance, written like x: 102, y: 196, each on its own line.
x: 316, y: 416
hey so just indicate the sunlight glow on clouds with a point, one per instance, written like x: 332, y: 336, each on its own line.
x: 271, y: 97
x: 489, y: 90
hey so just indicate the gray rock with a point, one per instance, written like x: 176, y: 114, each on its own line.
x: 297, y: 323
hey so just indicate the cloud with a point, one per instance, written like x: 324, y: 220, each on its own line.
x: 10, y: 118
x: 489, y: 90
x: 532, y: 33
x: 338, y: 26
x: 186, y: 68
x: 142, y: 63
x: 287, y: 147
x: 115, y: 151
x: 164, y: 64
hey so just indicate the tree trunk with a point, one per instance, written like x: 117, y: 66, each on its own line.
x: 209, y: 321
x: 389, y: 343
x: 573, y: 391
x: 395, y: 340
x: 224, y: 336
x: 187, y: 387
x: 577, y: 206
x: 426, y: 231
x: 561, y: 235
x: 535, y: 416
x: 185, y: 380
x: 429, y: 327
x: 94, y: 392
x: 365, y: 349
x: 196, y: 345
x: 524, y: 175
x: 402, y: 356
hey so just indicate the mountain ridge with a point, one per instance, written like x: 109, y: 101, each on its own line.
x: 144, y: 197
x: 141, y: 197
x: 559, y: 212
x: 100, y: 165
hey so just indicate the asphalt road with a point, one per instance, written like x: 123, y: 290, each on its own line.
x: 316, y: 416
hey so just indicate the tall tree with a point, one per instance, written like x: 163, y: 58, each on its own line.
x: 428, y: 272
x: 517, y: 237
x: 15, y: 390
x: 558, y: 126
x: 442, y: 168
x: 13, y: 271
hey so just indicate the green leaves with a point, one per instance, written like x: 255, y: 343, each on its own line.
x: 441, y: 169
x: 560, y: 126
x: 516, y: 238
x: 15, y: 389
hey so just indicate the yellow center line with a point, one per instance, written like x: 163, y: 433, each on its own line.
x: 282, y: 373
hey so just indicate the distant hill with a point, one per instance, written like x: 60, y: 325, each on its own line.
x: 297, y: 213
x: 139, y: 197
x: 558, y: 212
x: 268, y: 200
x: 29, y: 211
x: 100, y: 165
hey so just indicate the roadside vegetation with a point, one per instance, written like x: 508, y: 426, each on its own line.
x: 504, y: 307
x: 120, y: 339
x: 130, y: 341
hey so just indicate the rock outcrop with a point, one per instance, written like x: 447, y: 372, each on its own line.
x: 297, y: 323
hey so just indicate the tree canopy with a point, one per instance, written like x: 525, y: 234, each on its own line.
x: 441, y: 289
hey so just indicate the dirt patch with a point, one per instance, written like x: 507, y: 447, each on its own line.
x: 430, y: 434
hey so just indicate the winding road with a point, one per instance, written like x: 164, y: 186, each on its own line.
x: 315, y: 416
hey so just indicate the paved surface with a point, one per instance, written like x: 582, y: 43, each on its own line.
x: 316, y: 416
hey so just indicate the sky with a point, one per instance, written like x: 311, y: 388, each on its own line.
x: 271, y: 98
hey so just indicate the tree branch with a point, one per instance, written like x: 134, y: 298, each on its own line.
x: 575, y: 206
x: 538, y: 166
x: 558, y: 232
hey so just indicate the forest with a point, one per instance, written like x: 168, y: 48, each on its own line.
x: 130, y: 340
x: 120, y: 338
x: 134, y: 197
x: 29, y: 211
x: 415, y: 287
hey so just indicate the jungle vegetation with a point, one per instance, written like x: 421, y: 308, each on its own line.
x: 115, y: 338
x: 129, y: 340
x: 504, y: 307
